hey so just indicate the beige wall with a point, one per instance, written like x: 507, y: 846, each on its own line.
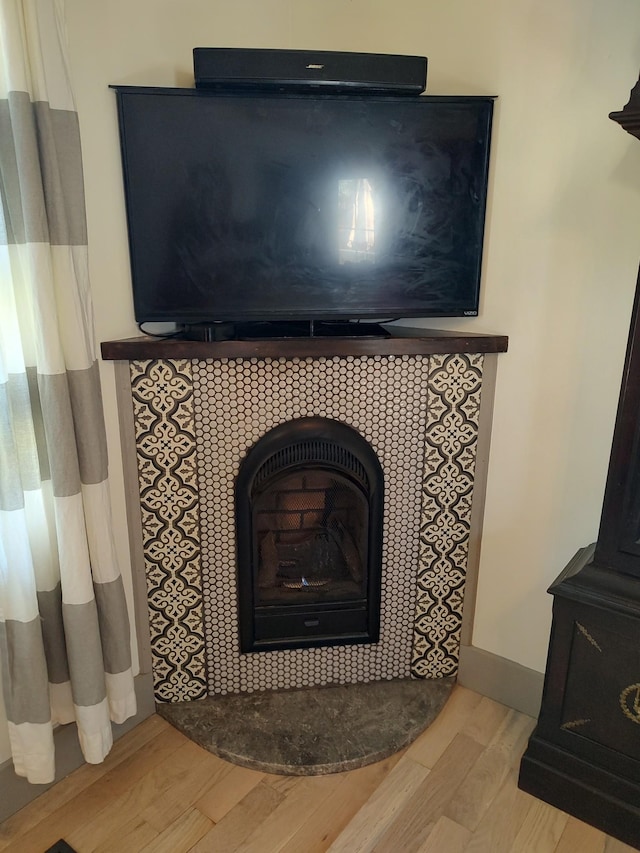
x: 562, y: 242
x: 562, y: 245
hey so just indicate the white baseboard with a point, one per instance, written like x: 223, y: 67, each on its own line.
x: 16, y: 792
x: 501, y: 679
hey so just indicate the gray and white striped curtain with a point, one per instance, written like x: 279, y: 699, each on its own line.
x: 64, y: 630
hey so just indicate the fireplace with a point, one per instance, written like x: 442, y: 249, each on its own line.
x: 193, y: 413
x: 309, y: 516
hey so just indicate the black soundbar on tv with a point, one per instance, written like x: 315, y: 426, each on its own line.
x: 300, y: 70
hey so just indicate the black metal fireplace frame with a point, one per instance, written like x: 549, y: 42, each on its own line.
x: 328, y: 444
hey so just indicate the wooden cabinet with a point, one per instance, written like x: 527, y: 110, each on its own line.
x: 584, y: 755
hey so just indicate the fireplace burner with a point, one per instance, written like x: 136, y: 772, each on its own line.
x: 309, y: 508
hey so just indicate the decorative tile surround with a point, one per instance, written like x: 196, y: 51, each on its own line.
x: 194, y: 421
x: 166, y: 452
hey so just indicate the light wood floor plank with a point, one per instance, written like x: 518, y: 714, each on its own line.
x: 72, y: 786
x: 181, y: 783
x: 501, y: 822
x: 241, y: 821
x: 432, y: 743
x: 323, y: 826
x: 415, y: 821
x: 183, y: 787
x: 381, y: 808
x: 181, y: 836
x: 160, y: 798
x: 228, y: 791
x: 578, y: 836
x: 282, y: 784
x: 446, y: 835
x: 134, y: 835
x: 486, y: 777
x: 486, y: 719
x: 285, y: 820
x: 84, y: 809
x: 541, y: 829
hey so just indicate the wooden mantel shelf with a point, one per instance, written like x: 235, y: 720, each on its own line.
x: 405, y: 341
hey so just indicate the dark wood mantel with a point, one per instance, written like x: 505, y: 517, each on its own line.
x: 404, y: 341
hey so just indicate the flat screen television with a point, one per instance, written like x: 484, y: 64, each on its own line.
x: 247, y: 207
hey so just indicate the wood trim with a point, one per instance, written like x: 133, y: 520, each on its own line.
x: 502, y: 680
x: 430, y: 343
x: 134, y: 521
x: 485, y: 421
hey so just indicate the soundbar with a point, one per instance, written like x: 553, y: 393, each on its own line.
x: 300, y: 70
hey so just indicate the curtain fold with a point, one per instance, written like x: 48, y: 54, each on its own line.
x: 64, y: 629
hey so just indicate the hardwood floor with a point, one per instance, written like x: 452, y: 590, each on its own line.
x: 452, y: 790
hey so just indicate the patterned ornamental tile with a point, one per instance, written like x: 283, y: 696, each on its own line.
x: 470, y: 407
x: 194, y: 671
x: 151, y: 523
x: 169, y: 500
x: 178, y: 685
x: 451, y: 643
x: 438, y: 586
x: 445, y: 531
x: 189, y: 523
x: 183, y: 417
x: 177, y: 644
x: 428, y: 557
x: 452, y: 431
x: 177, y: 601
x: 467, y: 458
x: 191, y: 576
x: 157, y: 572
x: 158, y: 622
x: 456, y: 376
x: 458, y: 555
x: 433, y: 459
x: 144, y: 419
x: 171, y: 548
x: 192, y: 620
x: 147, y: 474
x: 162, y: 673
x: 437, y: 408
x: 163, y: 385
x: 165, y: 443
x: 448, y: 484
x: 462, y: 507
x: 165, y: 439
x: 185, y: 470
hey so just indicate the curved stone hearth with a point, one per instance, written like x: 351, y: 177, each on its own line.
x: 313, y: 731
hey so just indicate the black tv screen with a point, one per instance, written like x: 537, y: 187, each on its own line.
x: 263, y: 207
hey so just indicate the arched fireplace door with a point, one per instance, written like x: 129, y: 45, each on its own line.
x: 309, y: 511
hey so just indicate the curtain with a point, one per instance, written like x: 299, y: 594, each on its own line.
x: 64, y: 630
